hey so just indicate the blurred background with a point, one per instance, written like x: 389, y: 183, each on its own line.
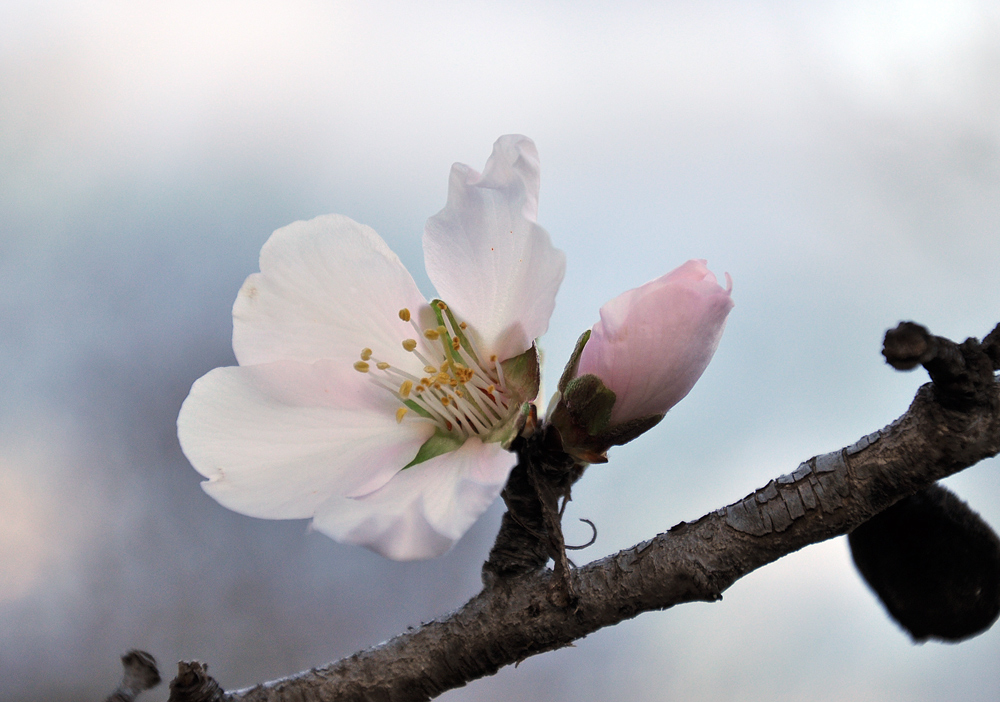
x: 840, y: 159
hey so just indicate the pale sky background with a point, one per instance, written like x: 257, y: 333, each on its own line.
x: 841, y: 160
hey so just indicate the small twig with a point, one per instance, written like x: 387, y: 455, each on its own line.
x: 563, y: 592
x: 530, y: 532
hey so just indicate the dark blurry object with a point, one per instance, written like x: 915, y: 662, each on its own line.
x: 140, y: 675
x: 934, y: 563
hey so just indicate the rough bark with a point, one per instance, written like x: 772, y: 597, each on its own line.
x: 953, y: 423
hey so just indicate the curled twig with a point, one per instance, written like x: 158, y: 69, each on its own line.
x: 589, y: 543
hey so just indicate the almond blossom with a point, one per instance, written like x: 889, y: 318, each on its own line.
x: 645, y: 354
x: 653, y: 342
x: 359, y: 404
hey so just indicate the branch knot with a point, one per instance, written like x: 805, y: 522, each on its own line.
x: 962, y: 374
x: 194, y: 684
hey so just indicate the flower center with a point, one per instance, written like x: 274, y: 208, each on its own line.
x: 449, y: 381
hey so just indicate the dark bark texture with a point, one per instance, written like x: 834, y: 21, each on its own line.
x: 523, y: 610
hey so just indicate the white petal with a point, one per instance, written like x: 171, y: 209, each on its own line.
x: 280, y: 439
x: 327, y: 288
x: 425, y: 509
x: 486, y: 256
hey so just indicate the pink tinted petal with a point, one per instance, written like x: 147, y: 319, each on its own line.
x: 654, y: 342
x: 327, y: 288
x: 486, y: 256
x: 280, y: 439
x: 425, y: 509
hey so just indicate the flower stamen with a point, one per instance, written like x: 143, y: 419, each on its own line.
x: 456, y: 391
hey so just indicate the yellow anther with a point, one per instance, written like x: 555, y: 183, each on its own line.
x: 409, y: 344
x: 442, y: 378
x: 463, y: 325
x: 455, y: 344
x: 400, y: 413
x: 419, y: 389
x: 445, y: 400
x: 366, y: 353
x: 493, y: 358
x: 404, y: 314
x: 458, y: 391
x: 405, y: 388
x: 382, y: 365
x: 453, y: 383
x: 431, y: 334
x: 490, y: 389
x: 442, y: 306
x: 442, y: 332
x: 361, y: 366
x: 425, y: 381
x: 430, y: 369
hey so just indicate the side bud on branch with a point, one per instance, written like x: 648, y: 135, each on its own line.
x: 645, y: 354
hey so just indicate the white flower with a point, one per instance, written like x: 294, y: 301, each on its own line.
x: 360, y: 405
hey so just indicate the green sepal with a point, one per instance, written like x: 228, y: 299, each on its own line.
x: 590, y: 402
x: 582, y: 415
x: 626, y: 431
x: 508, y: 430
x: 521, y: 376
x: 574, y: 361
x: 440, y: 443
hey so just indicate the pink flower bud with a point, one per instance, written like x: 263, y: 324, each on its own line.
x: 654, y: 342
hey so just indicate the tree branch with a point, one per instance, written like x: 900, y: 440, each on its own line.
x: 953, y: 423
